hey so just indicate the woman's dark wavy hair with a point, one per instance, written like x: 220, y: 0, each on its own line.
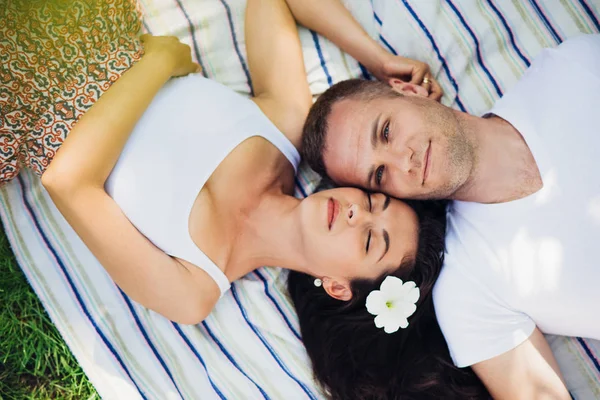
x: 354, y: 360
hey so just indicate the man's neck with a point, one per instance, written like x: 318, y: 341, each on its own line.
x: 505, y: 169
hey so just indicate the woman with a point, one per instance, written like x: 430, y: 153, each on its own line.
x: 179, y: 190
x: 353, y: 359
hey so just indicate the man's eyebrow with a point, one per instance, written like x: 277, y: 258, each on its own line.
x: 386, y: 238
x: 374, y: 130
x: 370, y: 177
x: 374, y: 137
x: 386, y: 203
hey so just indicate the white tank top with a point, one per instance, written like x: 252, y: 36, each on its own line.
x: 189, y: 128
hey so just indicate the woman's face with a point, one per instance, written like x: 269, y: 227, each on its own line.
x: 349, y: 233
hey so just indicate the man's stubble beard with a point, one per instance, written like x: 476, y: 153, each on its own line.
x: 460, y: 156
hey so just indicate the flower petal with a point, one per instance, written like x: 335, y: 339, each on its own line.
x: 392, y: 327
x: 413, y: 295
x: 402, y: 292
x: 375, y: 303
x: 384, y: 319
x: 404, y: 310
x: 404, y: 323
x: 391, y: 285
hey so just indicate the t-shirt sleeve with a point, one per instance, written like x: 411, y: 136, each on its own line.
x: 476, y: 325
x: 583, y: 53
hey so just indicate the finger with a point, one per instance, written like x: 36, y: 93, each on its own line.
x: 418, y: 75
x: 426, y: 84
x: 192, y: 68
x: 436, y: 91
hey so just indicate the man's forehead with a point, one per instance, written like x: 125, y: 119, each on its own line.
x: 347, y: 141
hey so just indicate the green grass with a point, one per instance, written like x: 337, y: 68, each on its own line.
x: 35, y: 363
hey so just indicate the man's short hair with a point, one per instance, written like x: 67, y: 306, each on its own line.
x: 316, y: 125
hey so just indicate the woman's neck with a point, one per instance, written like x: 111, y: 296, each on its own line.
x: 269, y: 236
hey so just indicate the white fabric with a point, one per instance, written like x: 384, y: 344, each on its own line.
x: 189, y: 128
x: 515, y: 265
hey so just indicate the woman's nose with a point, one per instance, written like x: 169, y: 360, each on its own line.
x: 355, y: 215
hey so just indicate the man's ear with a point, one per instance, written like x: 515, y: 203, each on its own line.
x: 407, y: 89
x: 338, y: 289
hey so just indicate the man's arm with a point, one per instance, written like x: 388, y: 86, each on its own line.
x: 528, y: 372
x: 331, y: 19
x: 277, y: 66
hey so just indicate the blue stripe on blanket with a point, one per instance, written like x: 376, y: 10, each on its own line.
x: 437, y: 52
x: 365, y: 74
x: 300, y: 188
x: 268, y: 346
x: 199, y: 357
x: 477, y: 47
x: 590, y: 14
x: 72, y: 284
x: 511, y: 36
x: 388, y: 45
x: 235, y: 45
x: 231, y: 359
x: 377, y: 18
x: 589, y: 352
x: 270, y: 296
x: 145, y: 334
x: 320, y: 53
x: 192, y: 35
x: 545, y: 20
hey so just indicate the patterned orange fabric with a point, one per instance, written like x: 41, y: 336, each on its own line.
x: 56, y: 58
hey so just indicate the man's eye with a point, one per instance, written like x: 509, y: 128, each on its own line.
x: 368, y: 241
x: 386, y: 133
x: 379, y: 175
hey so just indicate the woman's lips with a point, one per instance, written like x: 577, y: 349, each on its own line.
x: 426, y: 163
x: 333, y: 209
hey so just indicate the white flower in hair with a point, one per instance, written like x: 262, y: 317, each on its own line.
x: 393, y: 303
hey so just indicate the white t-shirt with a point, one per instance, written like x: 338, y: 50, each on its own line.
x: 533, y: 261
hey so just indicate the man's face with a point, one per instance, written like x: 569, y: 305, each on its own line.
x: 407, y: 147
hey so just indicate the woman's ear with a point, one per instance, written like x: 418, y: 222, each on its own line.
x: 338, y: 289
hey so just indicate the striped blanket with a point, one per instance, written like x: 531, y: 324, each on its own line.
x: 250, y: 347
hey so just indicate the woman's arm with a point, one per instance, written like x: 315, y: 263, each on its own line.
x: 331, y: 19
x: 75, y: 181
x: 94, y: 145
x: 277, y: 67
x: 528, y: 372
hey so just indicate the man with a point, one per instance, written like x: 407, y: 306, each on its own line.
x: 522, y: 235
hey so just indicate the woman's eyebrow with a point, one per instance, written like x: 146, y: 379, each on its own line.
x: 386, y: 238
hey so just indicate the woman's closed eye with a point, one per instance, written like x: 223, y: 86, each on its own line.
x: 370, y: 208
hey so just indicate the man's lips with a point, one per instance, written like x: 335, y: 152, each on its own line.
x: 333, y: 209
x: 426, y: 163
